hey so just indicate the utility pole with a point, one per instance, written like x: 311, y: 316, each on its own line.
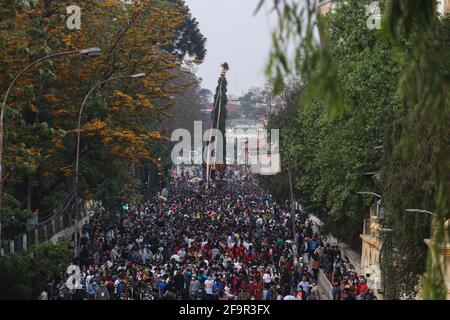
x: 77, y: 159
x: 294, y: 225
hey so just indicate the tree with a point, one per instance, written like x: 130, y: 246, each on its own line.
x: 189, y: 41
x: 25, y: 275
x: 399, y: 78
x: 119, y: 124
x: 248, y: 103
x: 219, y: 113
x: 205, y: 95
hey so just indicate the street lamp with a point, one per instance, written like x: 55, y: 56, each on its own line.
x: 90, y: 52
x: 369, y: 193
x: 377, y: 203
x: 77, y: 160
x: 422, y: 211
x: 432, y: 214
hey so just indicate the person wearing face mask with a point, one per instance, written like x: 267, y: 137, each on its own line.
x: 209, y: 288
x: 92, y: 288
x: 194, y: 288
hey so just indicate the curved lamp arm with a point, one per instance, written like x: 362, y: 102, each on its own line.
x: 77, y: 159
x: 89, y: 52
x: 92, y: 52
x: 139, y: 75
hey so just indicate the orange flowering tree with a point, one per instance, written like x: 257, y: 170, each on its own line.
x: 119, y: 124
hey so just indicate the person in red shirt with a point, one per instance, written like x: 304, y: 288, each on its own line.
x: 234, y: 284
x: 241, y: 251
x: 288, y: 264
x: 362, y: 287
x: 252, y: 288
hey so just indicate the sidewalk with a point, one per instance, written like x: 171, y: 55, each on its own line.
x: 354, y: 257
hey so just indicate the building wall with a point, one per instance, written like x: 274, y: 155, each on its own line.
x: 324, y: 6
x: 371, y: 249
x: 66, y: 234
x: 444, y: 7
x: 444, y: 257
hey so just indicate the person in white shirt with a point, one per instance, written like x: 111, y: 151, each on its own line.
x: 247, y: 244
x: 181, y: 253
x: 230, y: 241
x: 209, y: 287
x: 140, y: 239
x: 292, y: 297
x: 43, y: 295
x: 177, y: 258
x: 304, y: 284
x: 116, y: 284
x: 189, y: 241
x: 228, y: 291
x: 147, y: 255
x: 214, y: 253
x: 267, y: 278
x: 88, y: 278
x: 259, y: 221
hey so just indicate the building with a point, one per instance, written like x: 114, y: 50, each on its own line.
x: 324, y: 6
x: 371, y: 250
x: 208, y: 107
x: 444, y: 257
x: 239, y: 132
x: 444, y: 7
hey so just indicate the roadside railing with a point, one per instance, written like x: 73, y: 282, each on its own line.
x: 62, y: 222
x: 41, y: 233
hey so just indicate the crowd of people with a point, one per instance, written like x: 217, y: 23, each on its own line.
x: 230, y: 241
x: 347, y: 284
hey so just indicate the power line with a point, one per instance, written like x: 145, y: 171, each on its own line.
x: 210, y: 5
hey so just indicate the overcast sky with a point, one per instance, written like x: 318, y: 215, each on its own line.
x: 237, y: 36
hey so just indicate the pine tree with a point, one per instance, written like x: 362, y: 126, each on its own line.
x: 219, y: 117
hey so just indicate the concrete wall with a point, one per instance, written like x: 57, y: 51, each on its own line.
x: 324, y: 286
x: 354, y: 257
x: 444, y: 7
x: 66, y: 234
x: 46, y: 232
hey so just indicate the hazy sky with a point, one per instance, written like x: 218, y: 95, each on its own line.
x: 237, y: 36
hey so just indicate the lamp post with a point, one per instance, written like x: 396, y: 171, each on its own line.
x: 369, y: 193
x: 91, y: 52
x: 422, y: 211
x: 434, y: 216
x: 438, y: 245
x: 377, y: 203
x: 77, y: 160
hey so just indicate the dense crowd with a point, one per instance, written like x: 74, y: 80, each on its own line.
x: 347, y: 284
x: 230, y: 241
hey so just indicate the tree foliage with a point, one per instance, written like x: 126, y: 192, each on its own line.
x: 119, y: 132
x: 24, y: 274
x: 364, y: 88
